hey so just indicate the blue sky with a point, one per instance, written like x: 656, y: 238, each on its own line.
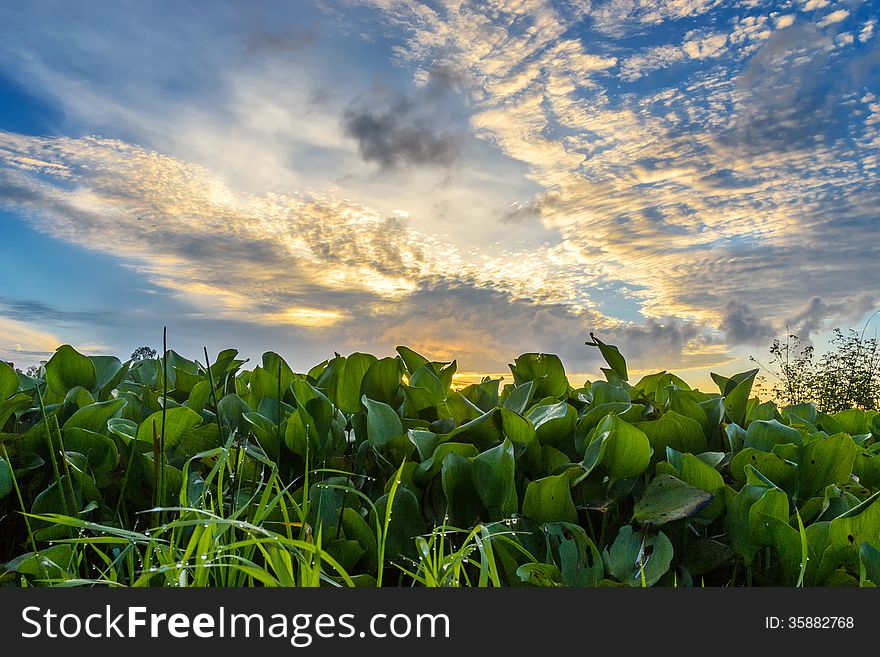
x: 686, y: 178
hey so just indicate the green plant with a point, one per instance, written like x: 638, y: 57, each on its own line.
x: 369, y: 471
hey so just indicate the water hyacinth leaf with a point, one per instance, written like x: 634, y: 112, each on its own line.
x: 426, y: 378
x: 232, y: 409
x: 763, y: 435
x: 349, y: 383
x: 100, y: 450
x: 493, y: 473
x: 667, y: 499
x: 8, y: 381
x: 483, y: 395
x: 429, y: 468
x: 484, y: 431
x: 383, y: 423
x: 805, y: 411
x: 605, y: 393
x: 5, y: 478
x: 461, y: 409
x: 68, y: 369
x: 463, y: 501
x: 612, y: 356
x: 549, y: 500
x: 50, y: 563
x: 847, y: 532
x: 869, y: 565
x: 853, y: 421
x: 697, y: 472
x: 9, y: 406
x: 705, y: 555
x: 627, y: 450
x: 411, y: 359
x: 178, y: 421
x: 775, y: 468
x: 685, y: 402
x: 635, y: 559
x: 736, y: 400
x: 95, y: 416
x: 579, y: 559
x: 545, y: 370
x: 826, y: 460
x: 554, y: 423
x: 425, y: 441
x: 519, y: 397
x: 382, y: 380
x: 674, y: 430
x: 539, y: 574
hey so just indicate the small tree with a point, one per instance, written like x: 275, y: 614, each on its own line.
x: 846, y: 376
x: 143, y: 353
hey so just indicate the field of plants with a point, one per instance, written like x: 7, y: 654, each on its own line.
x: 370, y: 471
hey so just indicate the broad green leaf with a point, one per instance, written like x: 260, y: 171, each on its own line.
x: 519, y: 397
x: 348, y: 385
x: 545, y: 370
x: 579, y: 559
x: 8, y: 381
x: 68, y: 369
x: 406, y: 523
x: 15, y: 403
x: 94, y: 417
x: 178, y: 421
x: 493, y: 473
x: 869, y: 565
x: 667, y: 498
x: 627, y: 450
x: 539, y: 574
x: 612, y: 356
x: 638, y: 560
x: 382, y: 381
x: 736, y: 400
x: 425, y: 441
x: 777, y: 469
x: 549, y: 500
x: 457, y: 481
x: 765, y: 434
x: 853, y: 421
x: 51, y: 563
x: 411, y: 359
x: 676, y: 431
x: 383, y: 423
x: 554, y: 423
x: 429, y: 468
x: 98, y: 449
x: 826, y: 460
x: 5, y: 478
x: 484, y: 432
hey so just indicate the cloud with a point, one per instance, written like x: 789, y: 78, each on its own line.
x: 741, y: 326
x: 834, y: 17
x: 408, y: 130
x: 35, y: 311
x: 817, y: 313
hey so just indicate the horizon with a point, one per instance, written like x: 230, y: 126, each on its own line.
x: 688, y: 179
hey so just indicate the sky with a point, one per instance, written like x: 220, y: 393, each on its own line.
x: 688, y: 179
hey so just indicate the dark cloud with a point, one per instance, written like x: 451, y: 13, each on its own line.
x: 395, y: 130
x: 31, y: 310
x: 653, y: 338
x: 286, y: 41
x: 742, y: 326
x: 818, y: 312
